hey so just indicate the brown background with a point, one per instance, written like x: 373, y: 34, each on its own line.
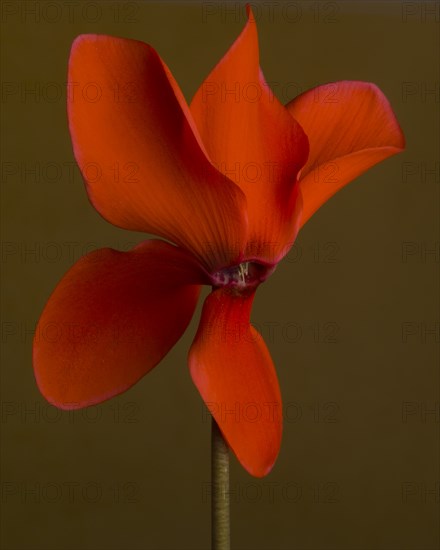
x: 353, y: 310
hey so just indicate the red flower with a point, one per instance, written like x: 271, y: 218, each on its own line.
x: 222, y: 180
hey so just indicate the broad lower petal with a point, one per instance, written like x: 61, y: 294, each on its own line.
x: 351, y: 127
x: 250, y: 137
x: 138, y: 150
x: 234, y: 373
x: 111, y: 319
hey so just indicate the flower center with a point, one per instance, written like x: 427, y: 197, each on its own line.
x: 246, y: 275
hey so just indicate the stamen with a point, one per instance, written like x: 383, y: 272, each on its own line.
x: 246, y: 275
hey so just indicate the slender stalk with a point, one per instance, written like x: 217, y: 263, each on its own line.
x: 220, y: 528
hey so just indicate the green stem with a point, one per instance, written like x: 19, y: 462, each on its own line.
x: 220, y: 528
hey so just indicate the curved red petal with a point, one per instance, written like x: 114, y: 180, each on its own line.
x: 111, y: 319
x: 351, y: 127
x: 139, y: 152
x: 233, y: 371
x: 250, y: 136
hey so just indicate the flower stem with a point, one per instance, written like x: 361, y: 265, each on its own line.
x: 220, y: 529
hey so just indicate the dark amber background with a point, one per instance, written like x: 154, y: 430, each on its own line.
x: 351, y: 317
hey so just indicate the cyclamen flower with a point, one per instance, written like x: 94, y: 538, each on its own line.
x: 228, y: 231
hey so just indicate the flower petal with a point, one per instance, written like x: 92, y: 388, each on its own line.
x: 351, y: 127
x: 233, y: 371
x: 250, y: 137
x: 111, y: 319
x: 143, y: 163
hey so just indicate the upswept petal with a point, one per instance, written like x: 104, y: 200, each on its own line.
x: 250, y: 137
x: 111, y: 319
x: 141, y: 157
x: 351, y: 127
x: 233, y: 371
